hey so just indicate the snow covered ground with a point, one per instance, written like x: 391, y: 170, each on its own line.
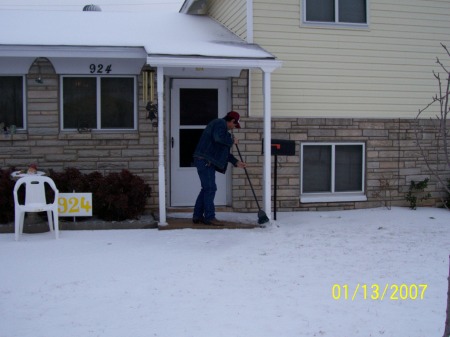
x: 354, y: 273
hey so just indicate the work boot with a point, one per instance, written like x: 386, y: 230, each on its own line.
x: 198, y: 220
x: 214, y: 222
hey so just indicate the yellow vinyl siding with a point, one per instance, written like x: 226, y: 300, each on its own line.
x: 384, y: 71
x: 232, y: 14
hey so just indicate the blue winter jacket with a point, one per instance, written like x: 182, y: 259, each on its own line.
x: 215, y: 144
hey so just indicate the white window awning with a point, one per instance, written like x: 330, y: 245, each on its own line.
x: 74, y: 59
x: 15, y: 65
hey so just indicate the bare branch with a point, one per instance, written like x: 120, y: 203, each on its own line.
x: 442, y: 128
x: 446, y: 49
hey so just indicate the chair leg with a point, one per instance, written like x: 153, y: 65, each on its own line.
x: 19, y: 218
x: 50, y: 220
x: 56, y: 223
x: 22, y: 222
x: 16, y: 225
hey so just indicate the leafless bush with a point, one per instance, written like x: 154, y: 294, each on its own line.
x: 441, y: 168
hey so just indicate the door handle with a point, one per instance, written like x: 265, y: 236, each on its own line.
x: 172, y: 140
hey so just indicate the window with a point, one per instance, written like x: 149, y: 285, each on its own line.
x: 99, y: 103
x: 12, y: 101
x: 332, y: 172
x: 337, y: 12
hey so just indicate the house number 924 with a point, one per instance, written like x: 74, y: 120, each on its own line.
x: 75, y: 204
x: 100, y: 68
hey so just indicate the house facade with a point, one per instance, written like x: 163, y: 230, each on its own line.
x: 133, y: 91
x: 354, y: 76
x: 112, y: 91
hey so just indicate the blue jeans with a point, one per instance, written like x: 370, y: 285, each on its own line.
x: 204, y: 206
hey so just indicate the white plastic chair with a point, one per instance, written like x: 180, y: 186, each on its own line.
x: 35, y: 201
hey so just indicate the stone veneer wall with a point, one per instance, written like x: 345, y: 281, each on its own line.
x: 393, y: 159
x: 45, y: 144
x: 391, y: 151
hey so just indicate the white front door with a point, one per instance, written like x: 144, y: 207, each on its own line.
x: 194, y: 103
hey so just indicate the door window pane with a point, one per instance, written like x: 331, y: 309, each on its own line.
x: 11, y: 101
x: 198, y: 106
x: 80, y: 102
x: 188, y: 142
x: 320, y: 10
x: 117, y: 103
x: 317, y: 168
x: 348, y: 168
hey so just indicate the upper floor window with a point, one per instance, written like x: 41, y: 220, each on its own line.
x: 98, y: 103
x: 337, y: 12
x: 12, y: 102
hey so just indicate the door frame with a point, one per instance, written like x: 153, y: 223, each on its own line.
x: 168, y: 126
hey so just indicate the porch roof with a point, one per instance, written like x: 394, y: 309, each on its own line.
x: 161, y: 39
x: 164, y: 35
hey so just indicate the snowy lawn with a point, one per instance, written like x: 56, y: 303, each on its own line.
x: 273, y: 282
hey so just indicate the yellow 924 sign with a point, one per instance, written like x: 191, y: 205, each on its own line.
x: 75, y: 204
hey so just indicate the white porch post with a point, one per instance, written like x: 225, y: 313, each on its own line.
x: 267, y: 173
x: 161, y: 166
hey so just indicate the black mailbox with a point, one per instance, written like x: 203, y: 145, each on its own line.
x: 279, y: 147
x: 282, y: 147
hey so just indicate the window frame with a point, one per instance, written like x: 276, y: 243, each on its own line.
x: 98, y: 103
x: 336, y: 23
x: 24, y: 100
x: 333, y: 196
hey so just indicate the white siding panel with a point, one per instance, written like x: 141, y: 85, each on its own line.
x: 232, y: 14
x: 384, y: 71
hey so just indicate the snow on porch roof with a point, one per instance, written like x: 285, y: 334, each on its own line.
x: 160, y: 33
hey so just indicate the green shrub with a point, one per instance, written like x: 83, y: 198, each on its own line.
x: 417, y: 192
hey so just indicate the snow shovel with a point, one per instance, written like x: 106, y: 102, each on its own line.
x: 262, y: 216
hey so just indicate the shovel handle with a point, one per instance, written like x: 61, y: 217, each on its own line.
x: 248, y: 177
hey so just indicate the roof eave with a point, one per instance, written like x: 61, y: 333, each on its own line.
x: 71, y: 51
x: 266, y: 64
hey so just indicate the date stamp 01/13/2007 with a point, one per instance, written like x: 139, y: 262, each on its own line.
x: 379, y: 292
